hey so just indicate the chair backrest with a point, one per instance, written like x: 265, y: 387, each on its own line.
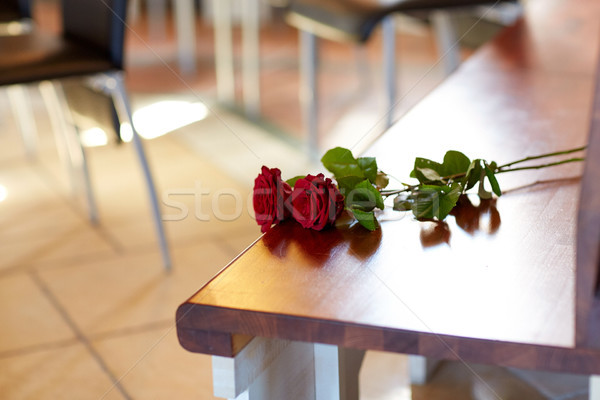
x: 98, y: 23
x: 588, y: 236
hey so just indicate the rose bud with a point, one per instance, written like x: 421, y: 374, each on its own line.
x: 269, y: 197
x: 316, y: 202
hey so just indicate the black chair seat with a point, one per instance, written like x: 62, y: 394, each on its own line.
x: 38, y: 56
x: 354, y: 20
x: 14, y: 10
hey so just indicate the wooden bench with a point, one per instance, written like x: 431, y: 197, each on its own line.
x: 512, y: 282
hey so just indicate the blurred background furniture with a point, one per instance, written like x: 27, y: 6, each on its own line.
x: 15, y: 16
x: 90, y: 50
x: 353, y: 21
x: 15, y: 19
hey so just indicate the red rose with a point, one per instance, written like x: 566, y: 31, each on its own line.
x: 316, y: 202
x: 269, y: 197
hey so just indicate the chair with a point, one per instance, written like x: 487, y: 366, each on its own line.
x: 17, y: 13
x: 353, y: 21
x: 90, y: 47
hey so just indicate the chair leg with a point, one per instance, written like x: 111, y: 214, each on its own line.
x: 308, y: 88
x: 17, y: 96
x: 121, y: 101
x: 389, y: 66
x: 446, y: 39
x: 68, y: 143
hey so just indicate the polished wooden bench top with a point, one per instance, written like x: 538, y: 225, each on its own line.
x: 497, y: 282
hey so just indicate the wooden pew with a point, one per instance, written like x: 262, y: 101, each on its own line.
x: 511, y: 282
x: 588, y: 238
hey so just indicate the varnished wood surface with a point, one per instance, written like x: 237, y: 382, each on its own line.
x: 497, y: 282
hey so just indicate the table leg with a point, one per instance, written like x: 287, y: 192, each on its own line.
x: 21, y: 107
x: 224, y: 51
x: 448, y: 46
x: 309, y: 88
x: 595, y: 387
x: 251, y: 57
x: 270, y: 369
x: 185, y: 24
x: 389, y: 66
x: 420, y: 369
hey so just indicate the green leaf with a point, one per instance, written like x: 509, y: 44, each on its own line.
x: 455, y: 163
x: 430, y: 174
x: 473, y: 174
x: 432, y: 201
x: 424, y: 163
x: 364, y: 197
x: 402, y: 202
x: 348, y: 183
x: 369, y: 167
x: 366, y: 219
x: 382, y: 180
x: 292, y: 182
x: 481, y: 192
x: 493, y: 181
x: 340, y: 162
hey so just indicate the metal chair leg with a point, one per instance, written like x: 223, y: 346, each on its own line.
x: 121, y: 101
x: 389, y: 66
x: 68, y: 143
x: 446, y: 39
x: 308, y: 88
x: 17, y: 96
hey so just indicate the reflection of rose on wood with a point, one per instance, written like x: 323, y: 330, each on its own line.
x: 469, y: 217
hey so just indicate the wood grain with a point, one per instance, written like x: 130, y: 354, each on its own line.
x: 496, y: 282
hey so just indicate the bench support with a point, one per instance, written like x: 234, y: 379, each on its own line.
x: 595, y: 387
x: 269, y: 369
x: 420, y: 369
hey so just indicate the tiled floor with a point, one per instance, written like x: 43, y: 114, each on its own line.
x: 87, y: 312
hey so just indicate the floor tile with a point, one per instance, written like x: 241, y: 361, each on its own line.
x: 69, y: 373
x: 132, y: 290
x: 27, y: 318
x: 152, y: 365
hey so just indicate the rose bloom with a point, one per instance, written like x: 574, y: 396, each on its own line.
x: 316, y: 202
x: 269, y: 198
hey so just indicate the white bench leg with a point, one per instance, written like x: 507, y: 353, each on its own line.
x: 269, y: 369
x: 595, y: 387
x: 420, y: 369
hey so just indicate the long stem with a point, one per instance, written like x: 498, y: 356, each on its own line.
x: 392, y: 192
x: 500, y: 170
x: 558, y: 153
